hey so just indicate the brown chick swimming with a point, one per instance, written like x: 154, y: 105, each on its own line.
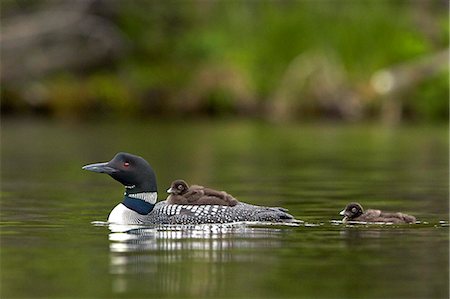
x: 355, y: 212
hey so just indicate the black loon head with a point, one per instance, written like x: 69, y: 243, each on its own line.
x: 178, y: 187
x: 352, y: 211
x: 132, y: 171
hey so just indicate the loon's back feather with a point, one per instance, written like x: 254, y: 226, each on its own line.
x: 199, y: 214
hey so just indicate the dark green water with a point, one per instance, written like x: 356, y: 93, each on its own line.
x: 50, y: 249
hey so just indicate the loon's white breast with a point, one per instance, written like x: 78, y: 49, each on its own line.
x: 123, y: 215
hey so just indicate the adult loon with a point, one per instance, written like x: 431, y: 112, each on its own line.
x: 139, y: 204
x: 354, y: 212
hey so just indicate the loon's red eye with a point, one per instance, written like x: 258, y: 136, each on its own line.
x: 126, y: 164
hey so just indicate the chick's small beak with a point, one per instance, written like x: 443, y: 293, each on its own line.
x: 342, y: 212
x: 170, y: 190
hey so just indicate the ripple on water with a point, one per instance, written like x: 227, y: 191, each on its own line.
x: 152, y: 237
x: 137, y: 238
x: 417, y: 224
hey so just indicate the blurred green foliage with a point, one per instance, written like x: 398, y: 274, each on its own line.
x: 221, y: 57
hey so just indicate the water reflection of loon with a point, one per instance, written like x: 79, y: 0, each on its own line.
x: 200, y: 250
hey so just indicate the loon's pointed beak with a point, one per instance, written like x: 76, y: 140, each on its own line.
x: 170, y: 190
x: 342, y: 212
x: 100, y: 167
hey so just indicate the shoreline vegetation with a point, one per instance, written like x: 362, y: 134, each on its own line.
x: 273, y: 60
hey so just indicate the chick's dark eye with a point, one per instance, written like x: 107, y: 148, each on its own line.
x: 180, y: 187
x: 126, y: 164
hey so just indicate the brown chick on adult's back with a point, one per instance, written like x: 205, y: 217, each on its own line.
x: 182, y: 194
